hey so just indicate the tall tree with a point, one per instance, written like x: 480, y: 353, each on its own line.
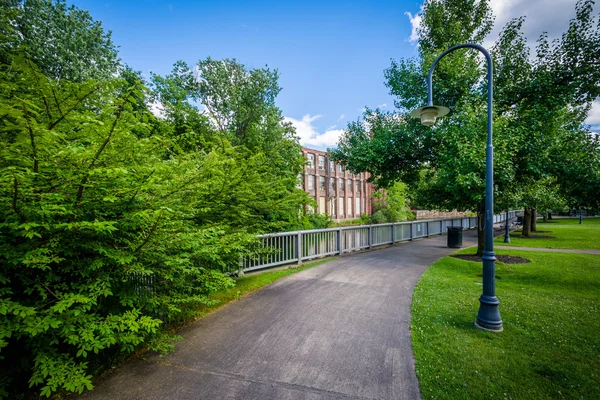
x: 533, y: 98
x: 238, y: 107
x: 63, y: 41
x: 545, y: 100
x: 452, y: 153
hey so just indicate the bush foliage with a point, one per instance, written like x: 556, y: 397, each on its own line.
x: 116, y: 224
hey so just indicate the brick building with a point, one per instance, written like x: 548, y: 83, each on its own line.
x: 337, y: 192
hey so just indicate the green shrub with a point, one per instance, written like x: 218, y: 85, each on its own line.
x: 378, y: 218
x: 99, y: 244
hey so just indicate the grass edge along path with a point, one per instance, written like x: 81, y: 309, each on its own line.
x: 559, y: 233
x: 252, y: 282
x: 550, y: 344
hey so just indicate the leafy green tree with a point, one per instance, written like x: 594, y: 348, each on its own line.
x: 64, y: 42
x: 545, y: 100
x: 238, y: 108
x: 539, y: 107
x: 446, y: 163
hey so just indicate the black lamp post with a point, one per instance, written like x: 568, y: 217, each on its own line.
x: 488, y: 317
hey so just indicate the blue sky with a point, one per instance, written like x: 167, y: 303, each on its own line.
x: 330, y: 54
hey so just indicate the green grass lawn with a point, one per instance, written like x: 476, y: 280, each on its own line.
x: 568, y: 234
x: 550, y: 346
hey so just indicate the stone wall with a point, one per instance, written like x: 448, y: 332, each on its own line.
x: 434, y: 214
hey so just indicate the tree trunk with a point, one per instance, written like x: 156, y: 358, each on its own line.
x: 526, y: 222
x: 480, y: 229
x: 533, y: 220
x: 545, y: 217
x: 549, y: 216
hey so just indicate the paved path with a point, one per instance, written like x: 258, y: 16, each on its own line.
x: 578, y: 251
x: 339, y: 330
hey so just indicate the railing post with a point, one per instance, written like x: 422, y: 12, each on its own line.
x: 411, y: 231
x: 370, y: 238
x: 441, y: 226
x: 299, y: 247
x: 427, y: 228
x: 393, y: 233
x: 339, y: 241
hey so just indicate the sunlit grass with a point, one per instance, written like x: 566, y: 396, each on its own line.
x: 550, y: 345
x: 566, y: 234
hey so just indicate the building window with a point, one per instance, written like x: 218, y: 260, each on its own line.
x: 349, y: 185
x: 341, y: 183
x: 349, y: 210
x: 357, y: 186
x: 322, y: 183
x: 332, y: 185
x: 340, y: 168
x: 357, y: 207
x: 340, y: 207
x: 321, y: 162
x: 311, y: 182
x: 332, y: 208
x: 311, y: 160
x: 331, y: 166
x: 322, y: 209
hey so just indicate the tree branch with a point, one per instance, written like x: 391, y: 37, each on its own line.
x: 136, y: 192
x: 77, y: 103
x: 31, y: 138
x: 15, y: 197
x: 97, y: 155
x: 149, y: 233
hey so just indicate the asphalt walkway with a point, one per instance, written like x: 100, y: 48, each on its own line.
x: 339, y: 330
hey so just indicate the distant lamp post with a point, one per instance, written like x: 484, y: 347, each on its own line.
x: 580, y: 215
x: 488, y: 317
x: 506, y: 227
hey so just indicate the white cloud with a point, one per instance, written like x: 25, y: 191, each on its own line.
x: 308, y: 134
x: 551, y: 16
x: 157, y: 109
x: 594, y: 114
x: 341, y: 117
x: 384, y: 105
x: 415, y: 22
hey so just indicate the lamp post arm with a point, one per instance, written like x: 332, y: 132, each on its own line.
x: 490, y: 75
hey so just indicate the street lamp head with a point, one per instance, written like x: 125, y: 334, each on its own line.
x: 428, y: 114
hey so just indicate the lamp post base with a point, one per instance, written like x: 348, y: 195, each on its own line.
x: 488, y: 317
x: 487, y: 329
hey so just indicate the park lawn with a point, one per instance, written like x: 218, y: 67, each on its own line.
x: 568, y: 234
x: 550, y: 346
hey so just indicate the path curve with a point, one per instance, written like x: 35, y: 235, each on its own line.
x: 339, y: 330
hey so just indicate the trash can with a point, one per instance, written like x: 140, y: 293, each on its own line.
x: 455, y: 235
